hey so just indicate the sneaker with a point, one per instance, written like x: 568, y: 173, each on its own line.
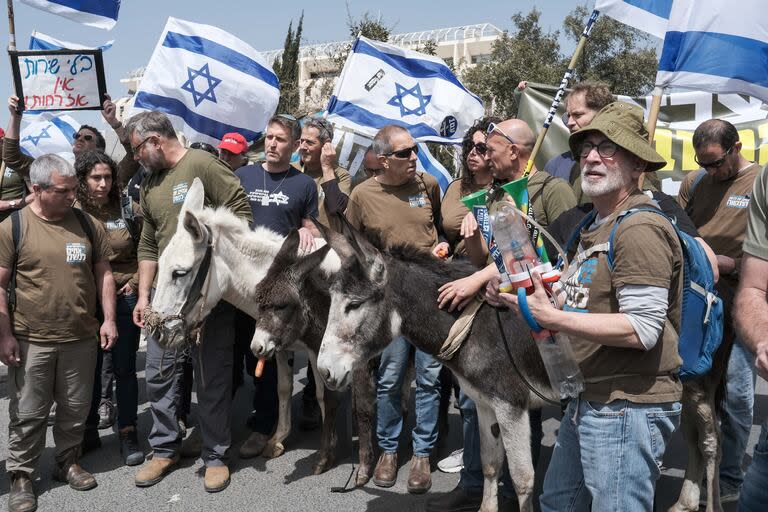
x: 106, y: 414
x: 458, y: 500
x: 129, y: 447
x: 452, y: 463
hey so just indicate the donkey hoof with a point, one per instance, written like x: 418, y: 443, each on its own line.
x: 363, y: 476
x: 273, y: 450
x: 323, y: 464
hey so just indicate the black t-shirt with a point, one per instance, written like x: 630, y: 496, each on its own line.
x: 280, y: 200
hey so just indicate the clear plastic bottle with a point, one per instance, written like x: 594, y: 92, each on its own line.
x: 560, y: 363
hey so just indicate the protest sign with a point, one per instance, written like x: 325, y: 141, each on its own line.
x: 54, y: 80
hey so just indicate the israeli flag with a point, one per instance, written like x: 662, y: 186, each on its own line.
x: 209, y: 83
x: 94, y: 13
x: 383, y: 84
x: 49, y: 133
x: 712, y: 46
x: 649, y: 16
x: 40, y: 41
x: 428, y: 163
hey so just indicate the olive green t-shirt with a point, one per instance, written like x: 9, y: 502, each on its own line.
x: 163, y: 193
x: 647, y: 252
x: 719, y: 210
x: 345, y: 185
x: 12, y: 185
x: 56, y: 294
x: 408, y: 213
x: 550, y: 197
x: 453, y: 211
x: 123, y: 261
x: 756, y: 239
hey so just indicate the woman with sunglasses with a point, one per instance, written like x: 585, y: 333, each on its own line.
x: 458, y: 223
x: 99, y: 194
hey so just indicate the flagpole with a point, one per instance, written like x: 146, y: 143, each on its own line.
x: 11, y: 27
x: 561, y: 91
x: 653, y: 114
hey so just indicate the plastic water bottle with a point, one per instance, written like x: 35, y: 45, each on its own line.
x: 560, y: 363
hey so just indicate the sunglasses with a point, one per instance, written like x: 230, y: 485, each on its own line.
x: 605, y: 149
x: 85, y: 136
x: 479, y: 147
x: 716, y: 164
x: 137, y: 148
x: 494, y: 128
x: 404, y: 153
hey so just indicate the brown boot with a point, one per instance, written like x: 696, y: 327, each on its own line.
x: 420, y: 475
x: 70, y: 472
x: 254, y: 445
x: 216, y: 478
x: 385, y: 474
x: 155, y: 470
x: 21, y: 497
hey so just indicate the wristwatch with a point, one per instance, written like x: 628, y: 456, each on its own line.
x: 13, y: 203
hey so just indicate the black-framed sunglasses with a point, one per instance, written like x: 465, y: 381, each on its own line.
x: 85, y: 136
x: 479, y: 147
x: 605, y: 149
x: 717, y: 163
x: 493, y: 127
x: 137, y: 148
x: 404, y: 153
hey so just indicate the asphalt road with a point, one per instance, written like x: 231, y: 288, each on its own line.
x: 282, y: 484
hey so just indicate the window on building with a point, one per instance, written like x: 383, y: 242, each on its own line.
x: 481, y: 58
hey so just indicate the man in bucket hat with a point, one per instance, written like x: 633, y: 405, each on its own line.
x: 623, y: 324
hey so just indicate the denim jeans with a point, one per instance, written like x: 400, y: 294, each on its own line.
x: 736, y: 419
x: 389, y: 422
x: 608, y: 456
x: 754, y: 492
x: 471, y: 476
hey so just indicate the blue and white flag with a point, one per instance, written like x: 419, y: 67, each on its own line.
x: 384, y: 84
x: 94, y: 13
x: 48, y: 133
x: 40, y: 41
x: 428, y: 163
x: 649, y: 16
x: 713, y: 46
x: 209, y: 83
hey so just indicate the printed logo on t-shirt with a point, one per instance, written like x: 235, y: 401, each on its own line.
x: 320, y: 195
x: 417, y: 201
x: 179, y: 192
x: 264, y: 198
x: 576, y: 287
x: 738, y: 202
x: 75, y: 253
x: 9, y: 172
x: 115, y: 225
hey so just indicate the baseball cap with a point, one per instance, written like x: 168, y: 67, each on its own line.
x: 234, y: 143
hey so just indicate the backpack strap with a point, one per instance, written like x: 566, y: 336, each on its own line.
x: 695, y: 183
x: 17, y: 234
x: 586, y: 221
x: 625, y: 214
x: 85, y: 223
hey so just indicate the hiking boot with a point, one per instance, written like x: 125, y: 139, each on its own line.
x: 192, y: 446
x: 21, y: 497
x: 385, y: 473
x: 70, y: 472
x: 452, y: 463
x: 155, y: 470
x: 420, y: 475
x: 311, y: 416
x: 129, y: 447
x: 106, y: 414
x: 216, y: 478
x: 91, y: 440
x: 254, y: 445
x: 458, y: 500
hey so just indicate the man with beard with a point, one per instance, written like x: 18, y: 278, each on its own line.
x: 172, y: 167
x: 623, y: 322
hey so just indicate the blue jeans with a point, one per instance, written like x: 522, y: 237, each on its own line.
x: 737, y: 415
x: 389, y: 422
x: 471, y: 476
x: 754, y: 492
x: 607, y: 456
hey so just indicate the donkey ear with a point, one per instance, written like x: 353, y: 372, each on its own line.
x: 323, y: 229
x: 310, y: 262
x: 193, y: 226
x: 290, y: 248
x: 195, y: 198
x: 378, y: 270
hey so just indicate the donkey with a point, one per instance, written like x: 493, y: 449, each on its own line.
x: 215, y: 256
x: 377, y: 296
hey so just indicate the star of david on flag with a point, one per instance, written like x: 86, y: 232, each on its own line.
x: 209, y: 83
x: 384, y: 84
x: 48, y: 133
x: 35, y: 139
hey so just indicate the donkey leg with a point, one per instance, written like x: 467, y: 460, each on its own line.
x: 329, y: 405
x: 688, y: 501
x: 491, y: 455
x: 364, y: 410
x: 274, y: 447
x: 516, y: 434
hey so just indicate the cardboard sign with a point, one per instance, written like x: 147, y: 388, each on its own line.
x: 54, y: 80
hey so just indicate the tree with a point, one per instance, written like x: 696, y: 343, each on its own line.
x: 615, y: 53
x: 528, y: 53
x: 286, y: 68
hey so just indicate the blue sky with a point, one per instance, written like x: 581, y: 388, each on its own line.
x: 261, y: 24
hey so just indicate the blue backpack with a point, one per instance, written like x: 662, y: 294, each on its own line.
x: 701, y: 321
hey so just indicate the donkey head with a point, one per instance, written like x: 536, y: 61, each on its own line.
x: 188, y: 284
x: 282, y: 313
x: 359, y: 316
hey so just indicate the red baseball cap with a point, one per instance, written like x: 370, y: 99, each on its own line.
x: 234, y: 143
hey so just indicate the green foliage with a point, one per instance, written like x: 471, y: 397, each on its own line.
x: 429, y: 48
x: 287, y: 69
